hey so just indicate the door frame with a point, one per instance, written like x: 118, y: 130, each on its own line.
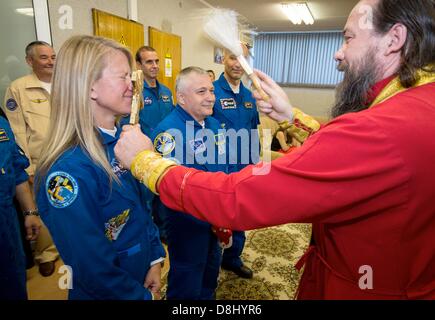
x: 42, y: 20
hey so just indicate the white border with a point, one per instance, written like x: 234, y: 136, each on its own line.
x: 42, y: 20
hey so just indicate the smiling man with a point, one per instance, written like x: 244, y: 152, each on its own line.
x: 27, y: 106
x: 236, y: 110
x: 158, y: 102
x: 192, y: 137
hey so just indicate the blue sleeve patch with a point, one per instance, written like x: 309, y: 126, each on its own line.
x: 62, y: 189
x: 11, y: 105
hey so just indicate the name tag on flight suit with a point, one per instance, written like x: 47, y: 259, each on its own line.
x: 228, y: 104
x: 198, y: 145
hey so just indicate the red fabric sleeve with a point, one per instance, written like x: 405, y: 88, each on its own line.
x: 348, y: 169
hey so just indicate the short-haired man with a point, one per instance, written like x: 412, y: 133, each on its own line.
x: 235, y: 109
x: 191, y: 136
x: 158, y: 102
x: 27, y: 106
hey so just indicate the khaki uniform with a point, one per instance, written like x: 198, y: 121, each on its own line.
x: 27, y: 106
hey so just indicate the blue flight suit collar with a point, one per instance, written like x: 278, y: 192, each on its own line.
x: 107, y: 138
x: 152, y: 89
x: 223, y: 83
x: 187, y: 117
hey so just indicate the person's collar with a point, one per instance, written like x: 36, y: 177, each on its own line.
x: 33, y: 81
x: 146, y: 85
x: 394, y: 86
x: 378, y: 87
x: 109, y: 135
x: 187, y: 117
x: 222, y: 81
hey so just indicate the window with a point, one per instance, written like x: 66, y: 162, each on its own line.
x: 299, y: 58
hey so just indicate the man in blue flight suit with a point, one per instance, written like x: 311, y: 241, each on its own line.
x: 235, y: 109
x: 158, y: 103
x: 14, y: 181
x: 189, y: 135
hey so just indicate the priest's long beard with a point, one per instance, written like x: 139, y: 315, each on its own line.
x: 352, y: 93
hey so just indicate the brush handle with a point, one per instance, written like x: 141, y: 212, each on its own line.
x: 255, y: 81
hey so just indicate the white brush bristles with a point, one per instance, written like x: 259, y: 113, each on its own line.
x: 222, y: 27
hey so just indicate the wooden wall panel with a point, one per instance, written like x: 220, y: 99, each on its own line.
x: 129, y: 33
x: 166, y: 45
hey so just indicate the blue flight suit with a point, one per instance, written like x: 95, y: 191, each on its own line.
x: 194, y: 252
x: 237, y: 111
x: 102, y: 230
x: 158, y: 103
x: 12, y: 258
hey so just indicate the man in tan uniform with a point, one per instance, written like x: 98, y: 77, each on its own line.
x: 27, y: 106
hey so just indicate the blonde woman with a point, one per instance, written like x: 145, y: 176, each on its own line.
x: 94, y: 208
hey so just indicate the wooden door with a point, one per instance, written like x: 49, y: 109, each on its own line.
x: 168, y: 47
x: 129, y: 33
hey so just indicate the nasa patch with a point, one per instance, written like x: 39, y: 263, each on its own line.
x: 197, y: 145
x: 62, y: 189
x: 164, y: 143
x: 11, y: 105
x: 117, y: 169
x: 147, y: 101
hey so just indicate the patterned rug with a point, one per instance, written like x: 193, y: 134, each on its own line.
x: 271, y: 253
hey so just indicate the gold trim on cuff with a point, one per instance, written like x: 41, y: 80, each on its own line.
x: 148, y: 166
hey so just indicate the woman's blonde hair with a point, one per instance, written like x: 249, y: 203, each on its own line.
x: 80, y: 63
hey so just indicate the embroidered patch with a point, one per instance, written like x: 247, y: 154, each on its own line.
x: 3, y: 135
x: 39, y: 100
x: 115, y: 225
x: 219, y: 139
x: 147, y: 101
x: 164, y: 143
x: 11, y: 105
x: 166, y: 99
x: 197, y: 145
x: 228, y: 104
x: 248, y: 105
x: 117, y: 169
x: 62, y: 189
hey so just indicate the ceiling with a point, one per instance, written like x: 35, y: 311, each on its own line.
x: 266, y: 15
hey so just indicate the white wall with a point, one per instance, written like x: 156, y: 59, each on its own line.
x: 313, y: 101
x: 180, y: 17
x: 81, y: 16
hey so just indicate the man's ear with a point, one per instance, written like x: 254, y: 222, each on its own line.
x: 29, y: 61
x: 396, y: 38
x: 180, y: 99
x: 138, y: 65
